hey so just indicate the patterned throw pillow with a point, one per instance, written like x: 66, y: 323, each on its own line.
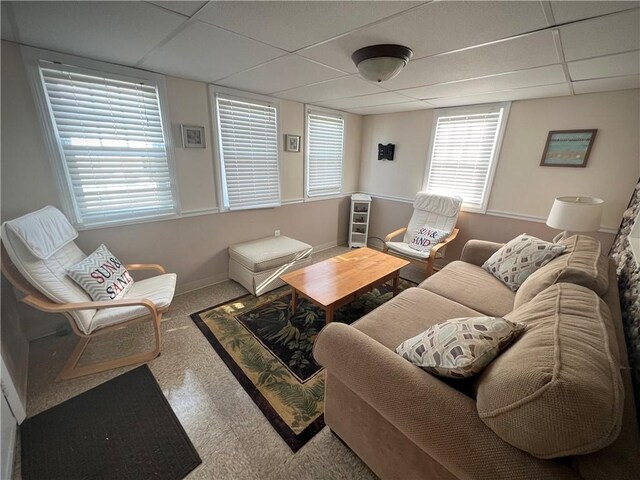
x: 101, y: 275
x: 427, y: 237
x: 519, y: 258
x: 461, y: 347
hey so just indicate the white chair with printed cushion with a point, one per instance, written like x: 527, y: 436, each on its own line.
x: 436, y: 211
x: 37, y: 250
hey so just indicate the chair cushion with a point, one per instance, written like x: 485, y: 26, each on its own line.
x: 473, y: 287
x: 439, y: 211
x: 557, y: 391
x: 270, y: 252
x: 410, y: 313
x: 43, y: 232
x: 158, y: 289
x: 519, y: 258
x: 404, y: 249
x: 460, y: 347
x: 582, y: 263
x: 101, y: 275
x: 49, y: 276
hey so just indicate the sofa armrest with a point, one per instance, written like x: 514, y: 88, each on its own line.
x: 443, y: 422
x: 478, y: 251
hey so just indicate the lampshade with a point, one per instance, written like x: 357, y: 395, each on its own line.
x: 379, y: 63
x: 576, y: 214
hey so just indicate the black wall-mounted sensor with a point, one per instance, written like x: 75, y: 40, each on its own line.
x: 385, y: 152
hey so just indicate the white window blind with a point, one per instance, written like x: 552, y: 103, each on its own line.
x: 248, y: 149
x: 463, y: 154
x: 112, y: 143
x: 325, y: 136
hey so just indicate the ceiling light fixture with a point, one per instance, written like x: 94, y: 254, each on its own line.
x: 379, y: 63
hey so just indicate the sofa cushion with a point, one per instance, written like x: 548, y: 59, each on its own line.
x: 558, y: 390
x: 519, y: 258
x: 460, y: 347
x: 473, y: 287
x: 411, y: 312
x: 582, y: 263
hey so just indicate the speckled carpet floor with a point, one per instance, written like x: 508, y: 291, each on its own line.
x: 232, y: 436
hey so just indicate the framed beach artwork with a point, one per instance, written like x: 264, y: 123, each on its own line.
x: 568, y: 148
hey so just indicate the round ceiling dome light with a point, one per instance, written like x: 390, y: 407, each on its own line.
x: 379, y: 63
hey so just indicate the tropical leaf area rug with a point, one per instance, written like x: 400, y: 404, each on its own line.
x: 269, y: 351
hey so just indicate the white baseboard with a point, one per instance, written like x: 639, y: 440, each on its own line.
x: 327, y: 246
x: 198, y: 284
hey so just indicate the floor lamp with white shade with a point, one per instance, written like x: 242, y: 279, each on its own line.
x: 575, y: 214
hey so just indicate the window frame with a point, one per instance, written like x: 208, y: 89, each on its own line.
x: 337, y: 113
x: 466, y: 110
x: 214, y: 90
x: 32, y: 58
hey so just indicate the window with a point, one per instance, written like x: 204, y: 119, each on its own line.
x: 325, y: 138
x: 110, y: 136
x: 247, y: 152
x: 464, y: 152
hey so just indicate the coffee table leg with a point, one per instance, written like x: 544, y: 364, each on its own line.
x: 328, y: 314
x: 396, y: 281
x: 294, y: 295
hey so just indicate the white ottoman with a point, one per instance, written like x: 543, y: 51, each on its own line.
x: 257, y: 265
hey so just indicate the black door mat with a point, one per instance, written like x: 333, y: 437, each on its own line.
x: 122, y: 429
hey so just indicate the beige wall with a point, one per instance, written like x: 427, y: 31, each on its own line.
x: 521, y: 187
x: 195, y: 246
x: 15, y: 346
x: 411, y: 133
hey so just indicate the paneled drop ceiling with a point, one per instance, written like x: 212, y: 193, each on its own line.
x: 464, y: 52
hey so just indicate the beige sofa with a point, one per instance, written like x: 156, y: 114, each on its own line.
x: 557, y: 404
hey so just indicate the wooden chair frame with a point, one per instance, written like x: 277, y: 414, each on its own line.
x: 423, y: 263
x: 37, y: 300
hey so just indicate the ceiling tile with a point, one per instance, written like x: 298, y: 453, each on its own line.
x: 394, y: 108
x: 121, y: 32
x: 6, y: 30
x: 607, y: 84
x: 524, y: 78
x: 435, y: 28
x: 509, y: 95
x: 564, y: 11
x: 338, y: 88
x: 293, y: 25
x: 366, y: 100
x: 601, y: 36
x: 184, y: 7
x: 609, y: 66
x: 282, y: 74
x: 520, y: 53
x: 228, y: 53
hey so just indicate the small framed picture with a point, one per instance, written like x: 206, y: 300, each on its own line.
x: 192, y: 136
x: 568, y: 148
x: 292, y: 143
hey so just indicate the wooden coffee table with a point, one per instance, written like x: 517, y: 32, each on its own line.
x: 337, y: 281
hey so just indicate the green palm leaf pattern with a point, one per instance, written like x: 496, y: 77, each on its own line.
x: 274, y: 348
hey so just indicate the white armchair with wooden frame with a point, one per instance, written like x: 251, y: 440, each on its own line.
x: 437, y: 211
x: 37, y: 249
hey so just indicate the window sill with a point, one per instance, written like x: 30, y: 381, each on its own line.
x: 329, y: 196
